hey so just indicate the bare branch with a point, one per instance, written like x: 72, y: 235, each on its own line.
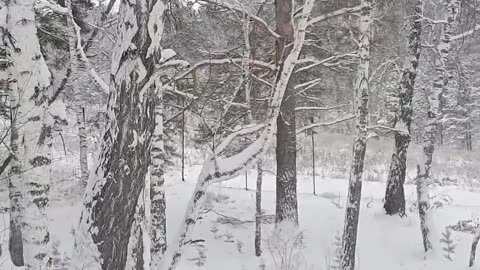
x: 328, y: 62
x: 250, y: 15
x: 225, y: 61
x: 320, y: 108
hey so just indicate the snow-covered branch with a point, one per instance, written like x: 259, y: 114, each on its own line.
x: 336, y: 13
x: 217, y: 169
x: 305, y: 128
x: 319, y: 108
x: 465, y: 34
x: 46, y: 6
x: 225, y: 61
x: 327, y: 62
x: 105, y: 87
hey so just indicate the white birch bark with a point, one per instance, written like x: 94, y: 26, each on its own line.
x: 217, y: 169
x: 101, y: 241
x: 352, y: 213
x: 34, y: 128
x: 433, y: 116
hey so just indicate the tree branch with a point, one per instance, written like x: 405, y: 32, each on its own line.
x: 305, y: 128
x: 336, y: 13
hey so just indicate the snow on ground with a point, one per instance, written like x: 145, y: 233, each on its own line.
x: 385, y: 242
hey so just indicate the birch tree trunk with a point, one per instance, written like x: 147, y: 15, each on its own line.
x: 423, y: 170
x: 158, y: 222
x: 394, y: 194
x: 349, y: 240
x: 109, y: 206
x: 286, y: 208
x: 32, y: 137
x: 216, y: 169
x: 473, y: 249
x: 77, y: 74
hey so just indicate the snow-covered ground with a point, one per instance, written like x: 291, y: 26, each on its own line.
x: 385, y: 242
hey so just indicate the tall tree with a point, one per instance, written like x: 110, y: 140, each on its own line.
x: 352, y: 213
x: 217, y: 169
x: 105, y: 225
x: 395, y: 195
x: 286, y: 208
x: 442, y: 76
x: 29, y: 81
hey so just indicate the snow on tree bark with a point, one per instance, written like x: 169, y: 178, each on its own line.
x: 286, y: 207
x: 442, y: 75
x: 349, y: 240
x: 109, y: 206
x: 78, y: 72
x: 158, y: 224
x: 32, y: 81
x: 473, y: 250
x: 216, y: 169
x: 394, y: 195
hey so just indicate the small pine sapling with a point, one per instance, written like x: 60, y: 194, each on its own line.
x: 448, y: 246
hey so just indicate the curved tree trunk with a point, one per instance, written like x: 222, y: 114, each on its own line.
x: 109, y: 207
x: 217, y: 169
x: 352, y: 213
x: 395, y: 194
x: 286, y: 208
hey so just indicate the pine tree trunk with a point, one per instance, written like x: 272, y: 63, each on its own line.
x: 109, y: 209
x: 158, y: 224
x: 349, y: 240
x: 433, y: 116
x: 395, y: 195
x: 286, y: 151
x: 258, y: 211
x: 34, y: 129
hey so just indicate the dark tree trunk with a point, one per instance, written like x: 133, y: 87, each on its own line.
x: 352, y: 213
x: 109, y: 207
x: 258, y: 211
x: 395, y: 195
x: 286, y: 200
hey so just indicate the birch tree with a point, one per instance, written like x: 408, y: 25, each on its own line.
x: 29, y: 81
x: 442, y: 75
x: 352, y: 213
x: 395, y: 195
x: 101, y: 241
x: 217, y: 169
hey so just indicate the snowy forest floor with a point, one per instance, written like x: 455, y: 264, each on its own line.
x: 227, y: 227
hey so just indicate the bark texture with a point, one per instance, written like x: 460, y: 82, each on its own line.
x: 286, y: 151
x: 109, y: 206
x: 433, y: 116
x: 349, y: 240
x: 158, y: 222
x: 395, y: 194
x: 29, y: 83
x: 473, y: 250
